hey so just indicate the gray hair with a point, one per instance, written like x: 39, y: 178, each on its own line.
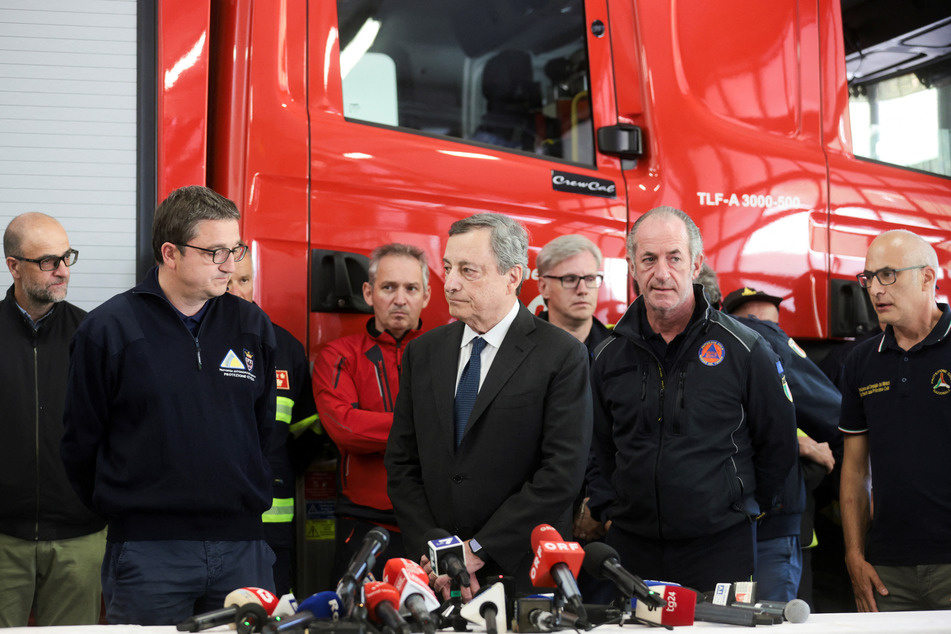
x: 509, y: 240
x: 562, y: 248
x: 707, y: 278
x: 694, y: 240
x: 400, y: 250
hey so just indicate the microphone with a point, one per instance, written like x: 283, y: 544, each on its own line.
x: 323, y: 605
x: 374, y: 542
x: 299, y: 621
x: 795, y: 611
x: 729, y: 615
x: 678, y: 608
x: 447, y: 555
x: 384, y: 601
x: 287, y: 606
x: 485, y: 607
x: 416, y: 597
x: 602, y: 562
x: 235, y: 604
x: 557, y: 563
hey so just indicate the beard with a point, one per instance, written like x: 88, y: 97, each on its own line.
x: 42, y: 294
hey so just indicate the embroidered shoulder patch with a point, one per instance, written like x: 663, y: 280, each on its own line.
x: 712, y: 353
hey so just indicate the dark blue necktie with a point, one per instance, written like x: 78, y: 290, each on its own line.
x: 468, y: 388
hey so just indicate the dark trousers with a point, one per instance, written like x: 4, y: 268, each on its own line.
x: 699, y: 563
x: 349, y: 534
x: 165, y: 582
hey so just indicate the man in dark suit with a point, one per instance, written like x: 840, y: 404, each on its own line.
x: 517, y: 460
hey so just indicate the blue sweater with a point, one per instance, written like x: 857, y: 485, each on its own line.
x: 166, y: 434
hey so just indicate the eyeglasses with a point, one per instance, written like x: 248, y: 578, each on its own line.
x: 220, y: 256
x: 51, y: 262
x: 885, y: 277
x: 572, y: 281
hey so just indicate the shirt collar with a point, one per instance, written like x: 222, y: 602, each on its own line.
x: 494, y: 336
x: 34, y: 324
x: 939, y: 332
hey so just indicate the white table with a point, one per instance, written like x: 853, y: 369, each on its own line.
x: 885, y: 622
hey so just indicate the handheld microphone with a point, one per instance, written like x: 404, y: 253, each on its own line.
x: 447, y: 554
x: 234, y: 602
x: 485, y: 608
x: 287, y: 606
x: 678, y: 609
x: 795, y: 611
x: 375, y: 542
x: 416, y: 597
x: 323, y: 605
x: 299, y: 621
x: 602, y: 562
x: 384, y: 603
x: 542, y: 620
x: 557, y: 563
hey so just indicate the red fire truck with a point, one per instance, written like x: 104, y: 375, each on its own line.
x: 339, y: 125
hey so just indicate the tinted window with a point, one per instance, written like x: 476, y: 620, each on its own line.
x: 898, y: 59
x: 509, y: 73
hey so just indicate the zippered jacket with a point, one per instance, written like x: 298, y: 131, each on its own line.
x: 701, y: 447
x: 356, y: 380
x: 167, y: 433
x: 38, y: 501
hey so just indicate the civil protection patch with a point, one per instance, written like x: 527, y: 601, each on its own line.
x: 712, y: 353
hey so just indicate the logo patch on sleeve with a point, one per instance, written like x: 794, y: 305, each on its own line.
x: 712, y: 353
x: 283, y: 381
x: 786, y: 389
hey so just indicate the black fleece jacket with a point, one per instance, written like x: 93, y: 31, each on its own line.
x: 38, y: 501
x: 166, y: 433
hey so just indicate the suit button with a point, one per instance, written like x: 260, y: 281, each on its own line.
x: 457, y: 478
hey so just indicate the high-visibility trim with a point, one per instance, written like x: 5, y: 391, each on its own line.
x: 311, y: 421
x: 281, y: 511
x: 284, y: 408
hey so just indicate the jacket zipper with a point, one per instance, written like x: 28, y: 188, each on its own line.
x: 36, y: 431
x: 660, y: 450
x: 680, y: 402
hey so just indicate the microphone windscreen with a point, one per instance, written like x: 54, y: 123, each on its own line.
x: 796, y: 611
x: 544, y: 533
x: 377, y: 592
x: 324, y: 605
x: 242, y: 596
x: 595, y: 554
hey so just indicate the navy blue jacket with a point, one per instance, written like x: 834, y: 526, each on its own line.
x: 166, y: 434
x: 817, y: 404
x: 700, y: 447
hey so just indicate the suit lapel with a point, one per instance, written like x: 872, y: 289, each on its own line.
x: 515, y: 347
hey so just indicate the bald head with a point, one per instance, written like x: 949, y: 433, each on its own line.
x: 899, y: 249
x: 29, y: 238
x: 25, y: 226
x: 907, y: 300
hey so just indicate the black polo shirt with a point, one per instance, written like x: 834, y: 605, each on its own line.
x: 902, y: 400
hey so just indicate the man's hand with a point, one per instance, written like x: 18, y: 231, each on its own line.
x: 441, y: 583
x: 819, y: 452
x: 586, y: 527
x: 864, y: 580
